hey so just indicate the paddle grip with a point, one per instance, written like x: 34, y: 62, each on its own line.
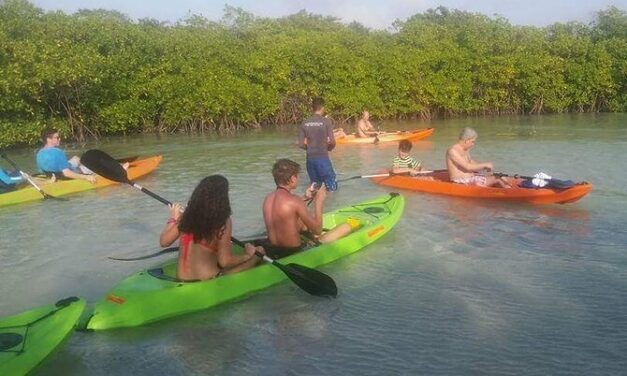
x: 265, y: 258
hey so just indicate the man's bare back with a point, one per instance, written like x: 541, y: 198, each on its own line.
x: 282, y: 212
x: 286, y: 214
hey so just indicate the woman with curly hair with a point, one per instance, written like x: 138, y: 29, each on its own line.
x: 204, y: 229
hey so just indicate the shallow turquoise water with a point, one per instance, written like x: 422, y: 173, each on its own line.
x: 458, y: 287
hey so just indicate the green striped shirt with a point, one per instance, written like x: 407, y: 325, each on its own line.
x: 408, y: 162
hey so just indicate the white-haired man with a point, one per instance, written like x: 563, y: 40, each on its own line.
x: 462, y: 169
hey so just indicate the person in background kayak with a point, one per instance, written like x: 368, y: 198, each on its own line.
x: 9, y: 180
x: 339, y: 133
x: 285, y: 214
x: 364, y: 127
x: 462, y: 169
x: 205, y: 230
x: 405, y: 163
x: 315, y: 135
x: 52, y: 160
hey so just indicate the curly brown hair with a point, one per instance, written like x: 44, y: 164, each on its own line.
x: 208, y: 209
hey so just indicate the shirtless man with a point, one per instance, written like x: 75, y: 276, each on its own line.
x: 462, y: 169
x: 364, y: 126
x: 286, y: 214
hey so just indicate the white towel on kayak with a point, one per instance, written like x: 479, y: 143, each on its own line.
x: 540, y: 179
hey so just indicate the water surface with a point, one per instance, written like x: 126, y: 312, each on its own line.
x: 459, y: 287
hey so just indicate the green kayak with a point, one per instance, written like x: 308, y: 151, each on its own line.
x: 27, y: 338
x: 155, y: 294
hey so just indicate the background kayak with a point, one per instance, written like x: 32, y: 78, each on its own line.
x: 415, y: 135
x: 137, y: 168
x: 441, y: 185
x: 28, y: 338
x: 154, y: 295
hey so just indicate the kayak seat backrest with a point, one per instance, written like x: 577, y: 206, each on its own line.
x: 10, y: 340
x: 4, y: 187
x: 442, y: 176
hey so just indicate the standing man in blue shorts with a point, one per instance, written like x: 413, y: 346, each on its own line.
x: 316, y: 137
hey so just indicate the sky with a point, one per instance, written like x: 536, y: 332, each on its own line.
x: 376, y: 14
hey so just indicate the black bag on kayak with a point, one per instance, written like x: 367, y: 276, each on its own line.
x: 551, y: 183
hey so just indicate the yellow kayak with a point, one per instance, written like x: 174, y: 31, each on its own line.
x: 415, y: 135
x: 137, y: 168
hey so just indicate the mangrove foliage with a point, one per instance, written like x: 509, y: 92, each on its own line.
x: 98, y: 72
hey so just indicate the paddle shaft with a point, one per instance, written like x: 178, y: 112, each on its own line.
x: 516, y: 176
x: 390, y: 174
x: 150, y: 193
x: 168, y: 203
x: 161, y: 252
x: 27, y: 177
x: 394, y: 174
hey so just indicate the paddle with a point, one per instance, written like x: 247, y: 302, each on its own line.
x: 162, y: 252
x: 104, y: 165
x: 310, y: 280
x: 27, y: 177
x: 383, y: 175
x: 376, y: 136
x: 132, y: 158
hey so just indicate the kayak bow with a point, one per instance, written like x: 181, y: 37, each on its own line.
x: 28, y: 338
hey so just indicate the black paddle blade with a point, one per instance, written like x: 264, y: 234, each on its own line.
x: 104, y: 165
x: 312, y: 281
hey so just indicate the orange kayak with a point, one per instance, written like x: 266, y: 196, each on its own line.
x: 415, y: 135
x: 136, y: 169
x: 442, y: 185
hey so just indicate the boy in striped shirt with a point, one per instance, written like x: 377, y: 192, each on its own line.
x: 405, y: 163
